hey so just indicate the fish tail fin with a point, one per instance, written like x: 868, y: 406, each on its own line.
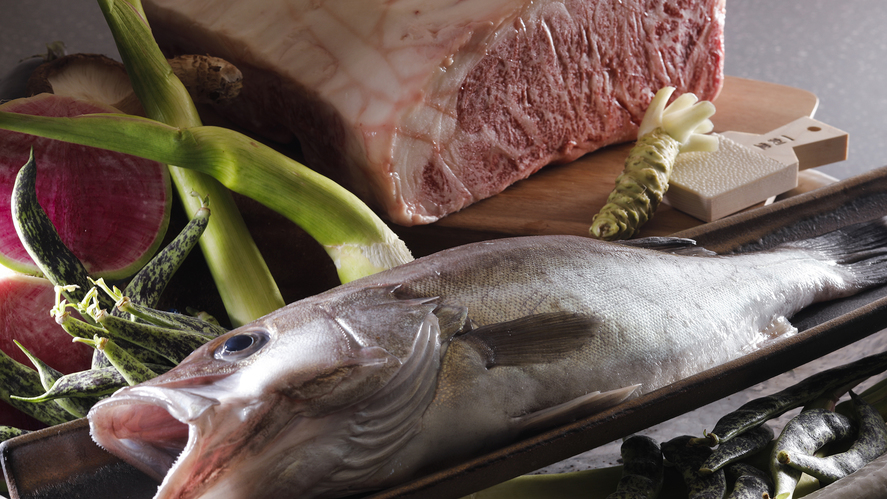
x: 860, y: 248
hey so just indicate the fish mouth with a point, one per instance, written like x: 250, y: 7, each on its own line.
x: 152, y: 428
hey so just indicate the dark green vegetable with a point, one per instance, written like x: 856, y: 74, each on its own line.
x: 738, y: 448
x: 870, y: 443
x: 688, y: 459
x: 92, y: 383
x: 148, y: 284
x: 806, y: 433
x: 835, y: 380
x: 7, y: 432
x: 16, y: 378
x: 41, y: 240
x: 133, y: 370
x: 748, y: 482
x: 172, y: 320
x: 48, y: 377
x: 642, y: 469
x: 171, y: 344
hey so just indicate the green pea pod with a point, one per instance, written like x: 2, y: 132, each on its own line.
x: 756, y: 412
x: 870, y: 443
x: 16, y: 378
x: 688, y: 459
x: 642, y: 470
x: 48, y: 377
x: 748, y: 482
x: 132, y: 369
x: 737, y: 448
x: 171, y: 320
x: 806, y: 433
x: 169, y: 343
x: 148, y: 284
x: 41, y: 240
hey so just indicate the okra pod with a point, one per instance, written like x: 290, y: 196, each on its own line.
x: 748, y: 482
x: 870, y: 443
x: 148, y: 284
x: 688, y: 459
x: 756, y: 412
x: 642, y: 469
x: 132, y: 370
x: 48, y: 377
x: 171, y: 344
x: 41, y: 240
x: 806, y: 433
x: 738, y: 448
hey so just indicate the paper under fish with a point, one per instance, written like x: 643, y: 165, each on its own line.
x: 456, y: 353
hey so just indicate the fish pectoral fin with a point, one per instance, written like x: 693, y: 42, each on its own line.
x: 572, y: 410
x: 534, y: 339
x: 676, y: 245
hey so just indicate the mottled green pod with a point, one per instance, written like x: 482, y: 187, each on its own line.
x: 132, y: 370
x: 806, y: 433
x: 756, y: 412
x: 642, y: 469
x: 79, y: 329
x: 870, y: 443
x: 18, y: 379
x: 148, y: 284
x: 737, y: 448
x: 41, y: 240
x: 688, y: 459
x: 89, y: 384
x: 7, y: 432
x: 748, y: 482
x: 48, y: 378
x: 171, y: 320
x: 639, y: 189
x: 171, y: 344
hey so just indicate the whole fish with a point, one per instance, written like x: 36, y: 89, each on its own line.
x: 456, y: 353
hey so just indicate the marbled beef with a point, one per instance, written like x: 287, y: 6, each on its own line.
x: 423, y: 107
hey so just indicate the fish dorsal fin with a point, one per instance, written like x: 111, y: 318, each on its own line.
x: 534, y: 339
x: 572, y: 410
x: 675, y: 245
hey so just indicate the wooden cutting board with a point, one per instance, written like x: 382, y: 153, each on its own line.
x: 562, y: 199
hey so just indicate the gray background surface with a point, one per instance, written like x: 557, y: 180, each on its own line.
x: 833, y: 48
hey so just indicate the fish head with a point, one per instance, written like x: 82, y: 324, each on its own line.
x: 275, y: 405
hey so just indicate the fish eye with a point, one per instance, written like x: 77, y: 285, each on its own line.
x: 242, y: 345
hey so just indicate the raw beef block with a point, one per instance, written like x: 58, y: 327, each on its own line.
x: 422, y: 107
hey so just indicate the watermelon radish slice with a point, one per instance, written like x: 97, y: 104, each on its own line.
x: 110, y: 209
x: 25, y: 304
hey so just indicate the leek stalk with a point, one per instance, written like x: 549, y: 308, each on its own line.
x: 355, y: 238
x: 241, y: 275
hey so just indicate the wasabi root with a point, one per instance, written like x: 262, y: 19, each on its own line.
x: 664, y: 133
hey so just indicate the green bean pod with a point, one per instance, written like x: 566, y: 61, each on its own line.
x: 756, y: 412
x: 41, y: 240
x: 148, y: 284
x: 171, y: 344
x: 642, y: 469
x: 737, y: 448
x: 806, y: 433
x: 639, y: 188
x: 688, y: 459
x: 131, y: 368
x: 870, y: 443
x: 48, y: 377
x: 80, y: 329
x: 18, y: 379
x: 171, y: 320
x: 748, y: 482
